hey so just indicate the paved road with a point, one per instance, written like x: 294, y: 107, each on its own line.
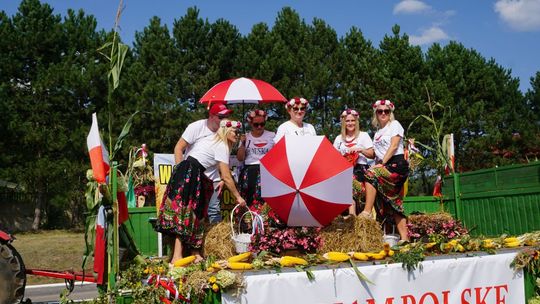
x: 50, y: 293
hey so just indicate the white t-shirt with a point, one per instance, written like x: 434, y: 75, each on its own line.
x: 362, y: 141
x: 289, y: 128
x: 195, y: 132
x: 257, y: 147
x: 209, y: 152
x: 383, y: 137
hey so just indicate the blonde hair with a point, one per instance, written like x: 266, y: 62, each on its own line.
x: 375, y: 121
x: 223, y: 132
x: 344, y: 127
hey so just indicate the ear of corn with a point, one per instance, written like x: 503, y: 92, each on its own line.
x: 240, y: 266
x: 511, y: 240
x: 512, y: 244
x: 430, y: 245
x: 185, y: 261
x: 336, y: 256
x: 289, y: 261
x: 242, y: 257
x: 360, y: 256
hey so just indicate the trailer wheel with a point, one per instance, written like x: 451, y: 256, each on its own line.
x: 12, y: 275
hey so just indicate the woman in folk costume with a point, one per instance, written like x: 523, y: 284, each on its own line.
x: 385, y: 180
x: 355, y: 145
x: 186, y: 197
x: 253, y: 146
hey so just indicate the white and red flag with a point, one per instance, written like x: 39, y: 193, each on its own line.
x: 99, y: 156
x: 100, y: 245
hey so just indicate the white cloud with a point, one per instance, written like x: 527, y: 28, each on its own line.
x: 429, y: 36
x: 410, y: 7
x: 520, y: 15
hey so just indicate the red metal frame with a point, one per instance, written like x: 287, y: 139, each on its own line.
x: 67, y: 275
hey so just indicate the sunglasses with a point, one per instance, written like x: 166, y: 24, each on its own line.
x: 298, y: 109
x: 258, y: 124
x: 222, y: 116
x: 386, y: 112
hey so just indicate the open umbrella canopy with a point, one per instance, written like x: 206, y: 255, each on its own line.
x: 243, y: 90
x: 306, y: 181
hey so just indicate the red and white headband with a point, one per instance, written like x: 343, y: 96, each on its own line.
x: 230, y: 124
x: 384, y: 102
x: 255, y: 113
x: 297, y: 101
x: 349, y: 112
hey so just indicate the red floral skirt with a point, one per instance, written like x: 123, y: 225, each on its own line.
x: 185, y: 203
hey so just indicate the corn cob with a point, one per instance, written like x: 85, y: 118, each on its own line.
x: 512, y: 244
x: 336, y: 256
x: 185, y: 261
x: 511, y: 239
x: 360, y: 256
x: 240, y: 266
x: 242, y: 257
x: 289, y: 261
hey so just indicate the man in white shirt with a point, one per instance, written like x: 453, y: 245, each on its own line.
x: 193, y: 134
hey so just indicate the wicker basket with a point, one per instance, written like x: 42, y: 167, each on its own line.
x: 242, y: 240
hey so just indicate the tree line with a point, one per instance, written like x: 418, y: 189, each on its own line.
x: 52, y: 77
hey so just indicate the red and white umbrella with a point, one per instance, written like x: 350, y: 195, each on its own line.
x: 243, y: 90
x: 306, y: 181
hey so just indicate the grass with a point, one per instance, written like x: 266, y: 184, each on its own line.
x: 53, y: 250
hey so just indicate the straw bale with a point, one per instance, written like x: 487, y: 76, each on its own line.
x: 355, y: 233
x: 218, y: 241
x: 432, y: 219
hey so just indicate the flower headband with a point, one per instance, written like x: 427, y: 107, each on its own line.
x: 383, y: 102
x: 349, y: 112
x: 255, y: 113
x: 297, y: 101
x: 230, y: 124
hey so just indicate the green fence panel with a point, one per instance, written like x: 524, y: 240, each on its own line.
x: 423, y: 204
x: 498, y: 200
x: 141, y: 230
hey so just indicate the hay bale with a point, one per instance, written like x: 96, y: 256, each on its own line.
x: 218, y: 241
x: 434, y: 219
x: 355, y: 233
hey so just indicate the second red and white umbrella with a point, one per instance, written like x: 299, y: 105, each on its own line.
x: 306, y: 181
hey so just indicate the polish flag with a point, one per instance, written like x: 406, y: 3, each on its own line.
x: 99, y: 157
x: 100, y: 245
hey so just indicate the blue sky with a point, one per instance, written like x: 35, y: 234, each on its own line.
x: 506, y: 30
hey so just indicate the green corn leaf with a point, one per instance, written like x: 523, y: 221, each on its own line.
x: 123, y: 134
x: 362, y: 277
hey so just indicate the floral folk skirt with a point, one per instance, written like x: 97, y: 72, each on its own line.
x: 359, y: 187
x: 185, y: 203
x: 389, y: 180
x: 249, y: 186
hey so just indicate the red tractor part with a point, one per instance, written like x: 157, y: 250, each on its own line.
x: 12, y: 271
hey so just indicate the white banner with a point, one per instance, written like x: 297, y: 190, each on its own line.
x: 484, y: 279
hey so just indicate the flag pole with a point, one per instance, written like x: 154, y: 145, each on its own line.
x: 113, y: 258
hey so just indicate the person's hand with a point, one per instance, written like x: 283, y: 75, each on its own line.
x: 378, y: 166
x: 355, y: 150
x: 240, y: 201
x: 219, y: 186
x: 243, y: 139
